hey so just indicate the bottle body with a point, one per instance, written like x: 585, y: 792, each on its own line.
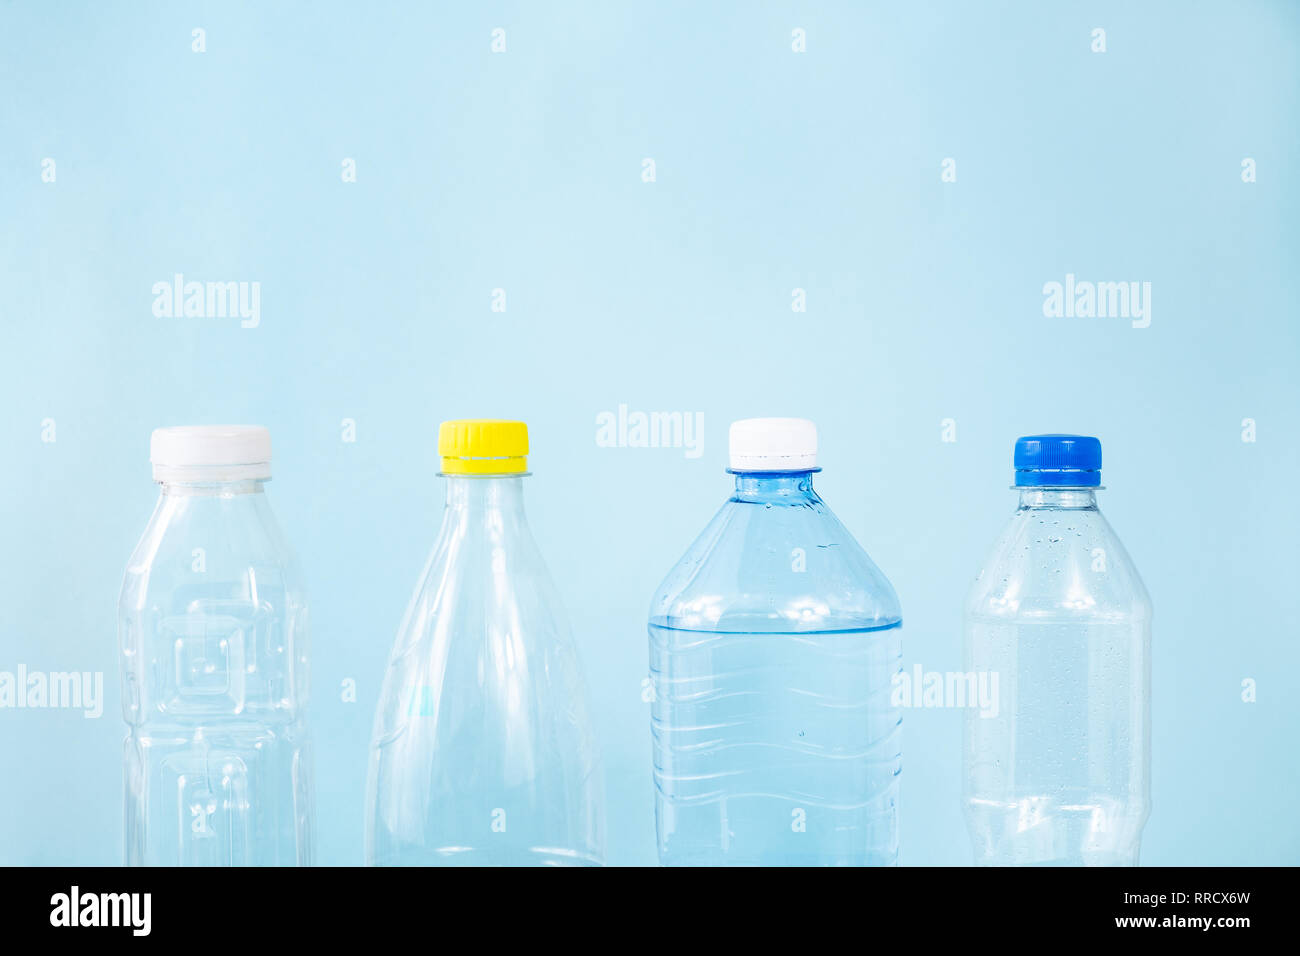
x: 1059, y: 774
x: 773, y: 644
x: 483, y: 753
x: 212, y: 626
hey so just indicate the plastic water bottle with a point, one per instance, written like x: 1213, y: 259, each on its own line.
x: 212, y: 625
x: 773, y: 644
x: 483, y: 753
x: 1059, y: 772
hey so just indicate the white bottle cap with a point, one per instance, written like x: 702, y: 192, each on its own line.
x: 211, y: 453
x: 773, y: 444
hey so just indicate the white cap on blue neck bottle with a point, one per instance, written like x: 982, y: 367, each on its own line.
x: 773, y: 444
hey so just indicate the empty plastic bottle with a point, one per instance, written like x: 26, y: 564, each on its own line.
x: 773, y: 644
x: 212, y: 626
x: 483, y: 753
x: 1059, y: 771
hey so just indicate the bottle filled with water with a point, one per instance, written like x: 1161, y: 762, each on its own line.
x: 483, y: 753
x: 1059, y: 772
x: 212, y: 627
x: 773, y: 644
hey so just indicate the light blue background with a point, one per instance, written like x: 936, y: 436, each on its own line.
x: 775, y: 170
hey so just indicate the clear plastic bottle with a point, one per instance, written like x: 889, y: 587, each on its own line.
x: 1059, y: 772
x: 483, y: 753
x: 773, y: 644
x: 212, y: 626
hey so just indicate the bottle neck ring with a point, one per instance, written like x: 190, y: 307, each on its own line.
x: 213, y: 489
x: 769, y: 485
x: 503, y: 492
x: 1045, y: 496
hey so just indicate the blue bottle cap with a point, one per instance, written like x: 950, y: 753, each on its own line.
x: 1061, y: 460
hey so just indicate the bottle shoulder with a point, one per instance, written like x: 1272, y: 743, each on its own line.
x: 485, y: 641
x: 1058, y: 563
x: 236, y: 550
x: 483, y: 589
x: 772, y: 567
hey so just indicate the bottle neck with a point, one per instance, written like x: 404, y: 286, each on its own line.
x: 1056, y: 498
x: 213, y: 505
x: 774, y: 486
x: 213, y: 489
x: 499, y: 498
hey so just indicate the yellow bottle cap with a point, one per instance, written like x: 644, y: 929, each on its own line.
x: 483, y: 446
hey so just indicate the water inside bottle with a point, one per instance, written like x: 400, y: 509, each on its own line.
x: 776, y: 748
